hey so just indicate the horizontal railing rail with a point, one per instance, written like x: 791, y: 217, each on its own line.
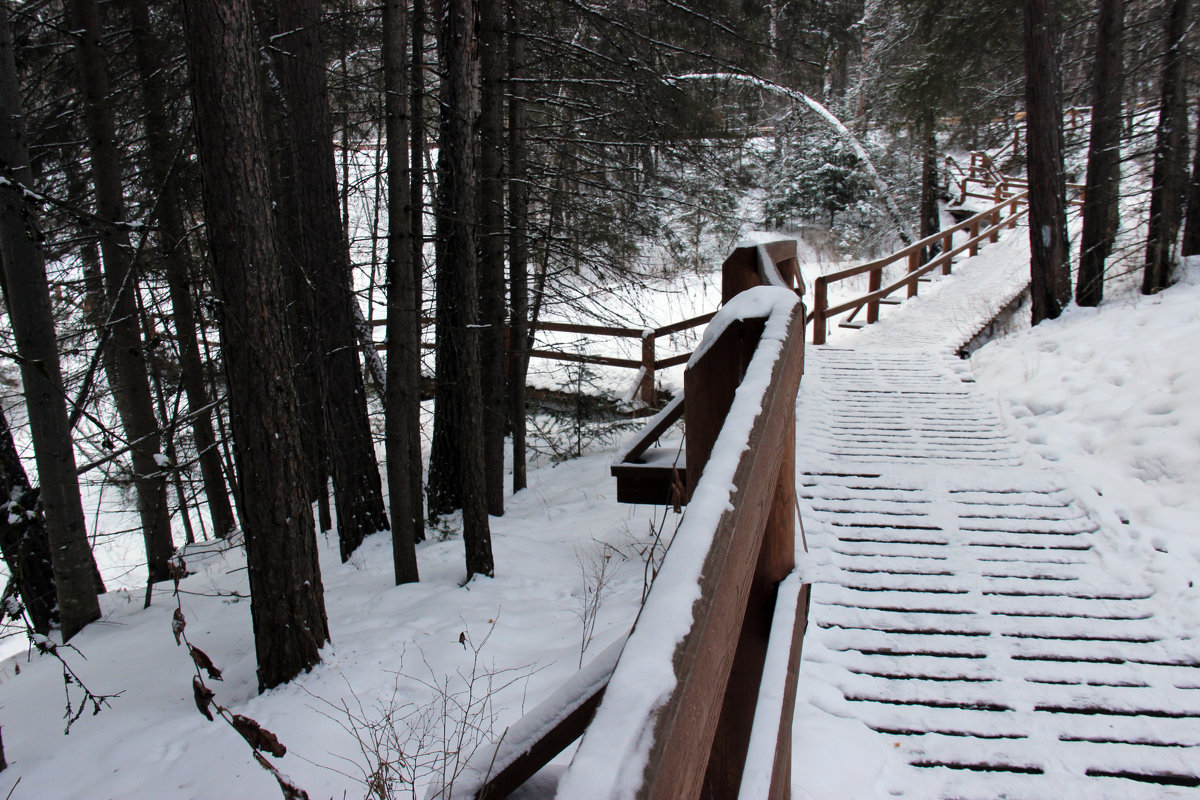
x: 986, y: 225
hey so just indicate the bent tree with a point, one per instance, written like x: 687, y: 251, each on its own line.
x: 286, y: 596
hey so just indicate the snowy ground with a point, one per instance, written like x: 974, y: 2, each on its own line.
x: 392, y: 647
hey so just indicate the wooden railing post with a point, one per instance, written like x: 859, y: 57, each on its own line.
x: 947, y: 246
x: 973, y: 232
x: 646, y: 390
x: 874, y: 281
x: 914, y: 264
x: 994, y: 224
x: 820, y: 303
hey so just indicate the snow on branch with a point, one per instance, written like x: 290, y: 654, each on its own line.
x: 825, y: 114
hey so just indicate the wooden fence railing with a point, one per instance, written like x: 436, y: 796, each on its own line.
x: 986, y: 225
x: 671, y: 711
x: 995, y: 185
x: 648, y: 365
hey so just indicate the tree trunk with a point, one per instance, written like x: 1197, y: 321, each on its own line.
x: 491, y: 246
x: 1103, y: 188
x: 1191, y: 231
x: 303, y: 333
x: 1170, y: 157
x: 930, y: 214
x: 458, y: 412
x: 1050, y: 278
x: 402, y: 390
x: 287, y: 599
x: 416, y: 199
x: 131, y: 388
x: 28, y: 297
x: 300, y: 66
x: 164, y: 178
x: 518, y: 246
x: 23, y: 540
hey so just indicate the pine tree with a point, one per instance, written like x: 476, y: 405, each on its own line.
x: 287, y: 599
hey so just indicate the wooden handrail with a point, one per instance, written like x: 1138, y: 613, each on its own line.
x: 702, y: 657
x: 994, y: 220
x: 693, y: 729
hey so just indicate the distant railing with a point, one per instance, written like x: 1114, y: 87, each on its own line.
x: 648, y: 365
x: 711, y: 663
x: 986, y: 225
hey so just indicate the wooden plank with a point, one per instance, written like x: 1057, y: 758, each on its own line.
x: 710, y: 385
x: 769, y: 762
x: 686, y: 324
x: 673, y: 361
x: 583, y: 358
x: 591, y: 330
x: 495, y: 771
x: 653, y: 430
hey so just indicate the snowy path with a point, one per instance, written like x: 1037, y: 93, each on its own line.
x: 968, y: 637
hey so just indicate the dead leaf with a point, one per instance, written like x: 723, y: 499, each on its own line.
x: 259, y: 737
x: 204, y: 662
x: 203, y: 695
x: 178, y: 623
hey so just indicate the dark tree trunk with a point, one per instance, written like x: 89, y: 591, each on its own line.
x: 1049, y: 271
x: 402, y: 390
x: 518, y: 246
x: 459, y: 409
x: 1103, y: 188
x: 28, y: 297
x: 1191, y: 231
x: 303, y: 333
x: 131, y: 387
x: 930, y: 215
x: 416, y: 200
x: 23, y: 540
x: 491, y: 246
x: 164, y: 178
x: 1167, y: 182
x: 287, y: 599
x: 300, y: 67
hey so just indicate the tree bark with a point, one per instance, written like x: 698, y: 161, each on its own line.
x: 402, y: 390
x: 303, y: 333
x: 1103, y: 188
x: 287, y: 599
x: 1050, y: 279
x: 1191, y: 230
x: 518, y: 246
x: 930, y: 215
x: 164, y: 178
x: 491, y: 246
x: 131, y: 388
x: 300, y: 66
x: 23, y: 540
x: 28, y: 296
x: 1167, y: 182
x: 416, y: 199
x: 459, y: 408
